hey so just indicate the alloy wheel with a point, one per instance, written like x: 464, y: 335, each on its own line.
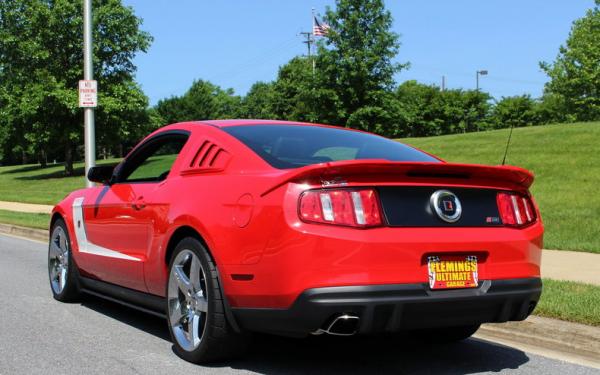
x: 187, y: 300
x: 58, y: 260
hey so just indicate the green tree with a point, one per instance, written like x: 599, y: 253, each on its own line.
x: 575, y: 74
x: 259, y: 102
x: 355, y: 60
x: 41, y: 63
x: 202, y: 101
x: 551, y: 108
x: 515, y: 111
x: 424, y: 110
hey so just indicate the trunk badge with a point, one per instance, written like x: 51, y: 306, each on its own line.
x: 446, y: 205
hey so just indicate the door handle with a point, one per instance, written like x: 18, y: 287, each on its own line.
x: 139, y: 204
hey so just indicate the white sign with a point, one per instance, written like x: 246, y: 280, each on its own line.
x: 88, y: 94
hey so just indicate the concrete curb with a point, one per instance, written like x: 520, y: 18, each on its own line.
x: 568, y: 341
x: 30, y: 233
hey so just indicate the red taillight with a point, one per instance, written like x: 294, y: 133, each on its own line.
x: 515, y: 210
x: 356, y: 208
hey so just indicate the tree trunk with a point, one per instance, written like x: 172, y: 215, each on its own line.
x: 69, y: 159
x: 43, y: 158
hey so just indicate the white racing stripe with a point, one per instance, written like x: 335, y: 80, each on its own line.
x: 86, y: 246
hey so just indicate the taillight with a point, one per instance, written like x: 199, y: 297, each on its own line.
x: 349, y: 207
x: 515, y: 209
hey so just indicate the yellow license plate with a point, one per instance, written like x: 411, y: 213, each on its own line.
x: 452, y: 271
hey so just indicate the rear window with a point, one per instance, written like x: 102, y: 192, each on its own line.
x: 293, y: 146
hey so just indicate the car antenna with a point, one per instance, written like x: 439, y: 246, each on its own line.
x: 507, y: 144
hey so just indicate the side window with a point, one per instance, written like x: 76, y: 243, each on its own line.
x: 152, y: 162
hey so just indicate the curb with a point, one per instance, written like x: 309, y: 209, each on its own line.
x: 572, y: 342
x: 29, y: 233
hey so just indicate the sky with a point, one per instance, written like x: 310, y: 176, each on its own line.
x: 234, y: 43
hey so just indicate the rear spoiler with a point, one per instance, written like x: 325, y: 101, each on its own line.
x: 332, y: 170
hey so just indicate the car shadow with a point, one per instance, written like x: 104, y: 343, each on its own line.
x: 143, y: 321
x: 367, y: 355
x: 331, y: 355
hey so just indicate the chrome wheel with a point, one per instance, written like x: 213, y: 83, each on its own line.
x: 187, y: 300
x: 58, y: 259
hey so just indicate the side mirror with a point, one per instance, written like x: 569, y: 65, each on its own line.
x: 101, y: 174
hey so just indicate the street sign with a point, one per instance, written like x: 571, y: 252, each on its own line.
x: 88, y: 94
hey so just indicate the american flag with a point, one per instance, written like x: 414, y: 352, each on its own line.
x: 320, y: 29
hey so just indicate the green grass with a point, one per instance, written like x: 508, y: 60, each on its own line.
x: 574, y: 302
x: 32, y: 184
x: 25, y: 219
x: 566, y: 162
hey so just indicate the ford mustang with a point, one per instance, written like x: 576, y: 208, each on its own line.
x: 230, y: 227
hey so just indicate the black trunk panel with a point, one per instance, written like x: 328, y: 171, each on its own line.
x: 409, y: 206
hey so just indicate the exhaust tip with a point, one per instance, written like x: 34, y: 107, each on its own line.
x: 342, y: 325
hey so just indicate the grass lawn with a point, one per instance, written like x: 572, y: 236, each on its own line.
x: 566, y: 162
x: 570, y: 301
x: 25, y: 219
x: 32, y: 184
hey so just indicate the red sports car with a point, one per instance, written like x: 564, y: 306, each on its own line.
x: 227, y: 227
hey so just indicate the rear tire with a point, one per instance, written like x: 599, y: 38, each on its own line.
x: 62, y: 270
x: 195, y: 310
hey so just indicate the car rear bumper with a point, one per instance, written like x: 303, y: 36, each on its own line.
x: 399, y: 307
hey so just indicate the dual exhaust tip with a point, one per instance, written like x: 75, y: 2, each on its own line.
x: 342, y: 325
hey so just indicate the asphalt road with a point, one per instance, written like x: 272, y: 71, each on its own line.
x: 39, y: 335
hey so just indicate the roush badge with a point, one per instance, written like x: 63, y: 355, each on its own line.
x: 446, y: 205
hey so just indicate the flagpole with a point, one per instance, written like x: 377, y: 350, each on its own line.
x: 315, y: 41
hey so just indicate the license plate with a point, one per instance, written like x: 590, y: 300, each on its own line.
x: 452, y: 271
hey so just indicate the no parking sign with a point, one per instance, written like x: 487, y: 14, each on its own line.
x: 88, y: 94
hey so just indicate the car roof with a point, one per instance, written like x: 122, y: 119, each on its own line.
x: 226, y: 123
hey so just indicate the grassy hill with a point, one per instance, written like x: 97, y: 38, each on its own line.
x: 566, y: 161
x: 564, y: 158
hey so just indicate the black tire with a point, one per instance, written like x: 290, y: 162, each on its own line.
x: 70, y: 292
x: 218, y: 340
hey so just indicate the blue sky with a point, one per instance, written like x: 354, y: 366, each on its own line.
x: 234, y: 43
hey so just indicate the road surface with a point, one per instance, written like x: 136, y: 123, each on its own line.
x: 41, y: 336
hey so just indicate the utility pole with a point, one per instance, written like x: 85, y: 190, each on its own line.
x: 443, y: 87
x: 477, y: 74
x: 88, y: 75
x: 308, y: 41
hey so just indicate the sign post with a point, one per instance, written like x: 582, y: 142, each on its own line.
x: 88, y: 92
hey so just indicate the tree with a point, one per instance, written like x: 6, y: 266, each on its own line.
x: 259, y: 102
x: 202, y: 101
x: 355, y: 60
x: 515, y: 111
x: 575, y: 74
x: 424, y: 110
x: 41, y: 62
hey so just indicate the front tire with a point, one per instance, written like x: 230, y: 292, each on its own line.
x: 62, y: 270
x: 199, y: 329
